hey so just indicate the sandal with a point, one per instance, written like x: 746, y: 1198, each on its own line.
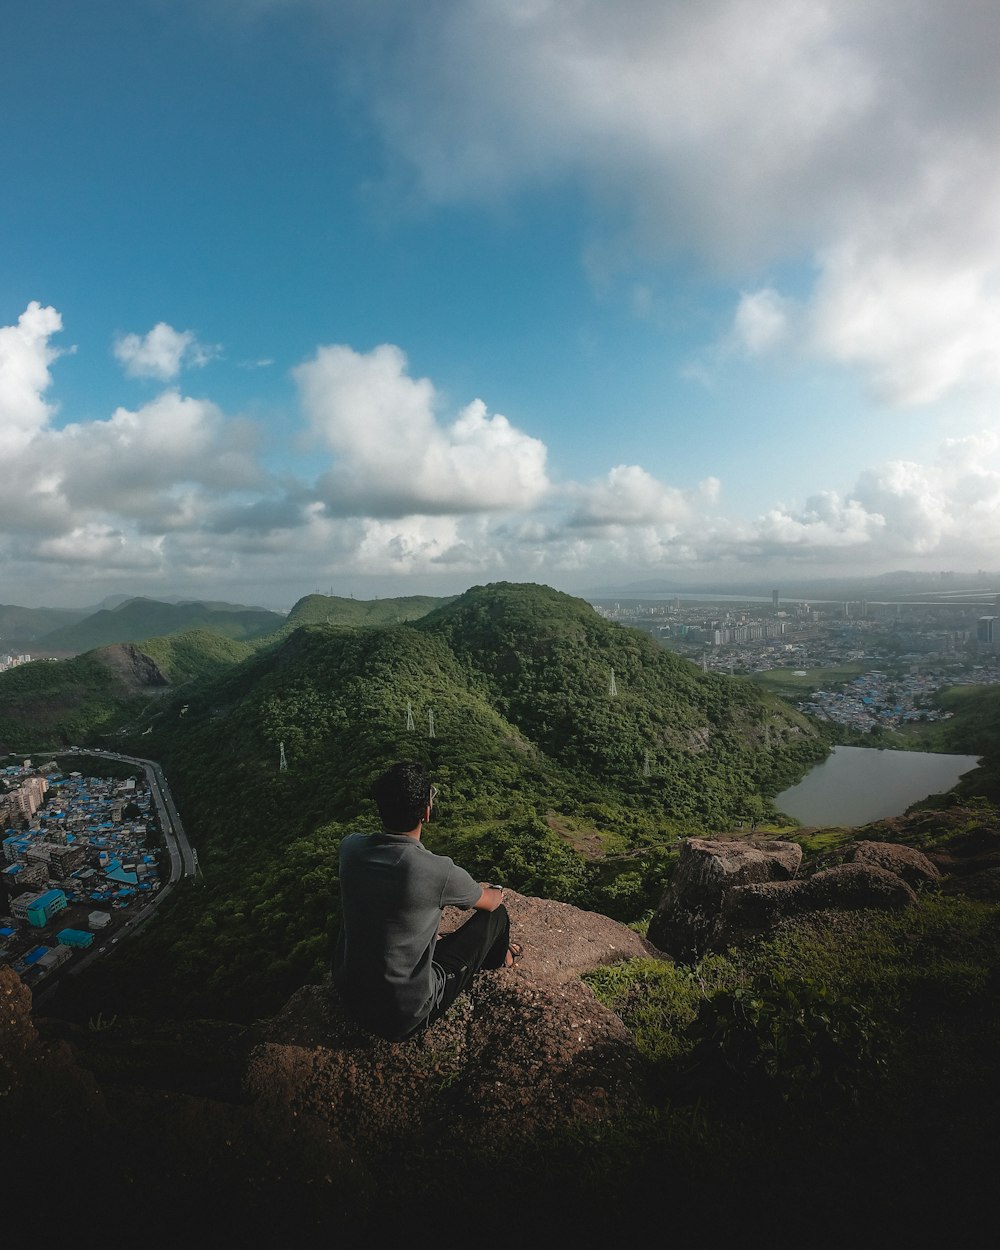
x: 515, y: 950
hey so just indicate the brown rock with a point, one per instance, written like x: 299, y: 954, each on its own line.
x: 688, y: 920
x: 753, y: 909
x: 912, y: 866
x: 851, y: 887
x: 528, y: 1049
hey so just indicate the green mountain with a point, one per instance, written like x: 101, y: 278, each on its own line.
x: 139, y: 619
x: 20, y: 626
x: 106, y: 691
x: 542, y: 774
x: 333, y: 610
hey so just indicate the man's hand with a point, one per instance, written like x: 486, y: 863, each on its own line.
x: 491, y: 897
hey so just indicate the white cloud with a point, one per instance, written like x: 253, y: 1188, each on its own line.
x: 162, y: 352
x: 857, y: 138
x: 172, y: 497
x: 630, y: 496
x: 761, y: 323
x: 25, y: 356
x: 395, y: 457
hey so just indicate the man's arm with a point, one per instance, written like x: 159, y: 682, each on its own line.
x: 490, y: 899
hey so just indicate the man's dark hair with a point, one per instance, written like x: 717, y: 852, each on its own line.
x: 402, y: 794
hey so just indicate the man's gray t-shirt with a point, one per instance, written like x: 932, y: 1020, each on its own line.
x: 392, y: 890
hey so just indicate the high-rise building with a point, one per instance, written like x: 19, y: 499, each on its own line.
x: 774, y: 600
x: 987, y: 633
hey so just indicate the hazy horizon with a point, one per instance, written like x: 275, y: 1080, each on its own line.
x: 942, y: 584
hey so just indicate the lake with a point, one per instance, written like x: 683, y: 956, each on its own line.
x: 856, y: 785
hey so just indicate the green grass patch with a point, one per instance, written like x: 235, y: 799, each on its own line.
x: 787, y: 683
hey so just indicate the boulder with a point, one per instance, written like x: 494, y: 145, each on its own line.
x: 976, y: 841
x: 905, y: 862
x: 688, y: 920
x: 853, y: 887
x: 526, y: 1051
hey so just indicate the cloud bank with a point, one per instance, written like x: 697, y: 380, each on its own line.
x: 855, y: 140
x: 174, y: 495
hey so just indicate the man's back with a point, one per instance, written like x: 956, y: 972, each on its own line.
x: 392, y: 892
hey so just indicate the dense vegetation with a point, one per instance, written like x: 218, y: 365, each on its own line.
x: 50, y: 703
x: 335, y: 610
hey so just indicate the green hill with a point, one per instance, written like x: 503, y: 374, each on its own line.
x: 139, y: 619
x: 51, y: 703
x: 333, y: 610
x: 540, y: 771
x: 20, y: 626
x: 86, y: 699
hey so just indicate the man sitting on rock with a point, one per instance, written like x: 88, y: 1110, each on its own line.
x: 394, y: 973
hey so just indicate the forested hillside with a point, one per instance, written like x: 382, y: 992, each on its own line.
x: 548, y: 780
x: 96, y: 697
x: 335, y: 610
x: 138, y: 619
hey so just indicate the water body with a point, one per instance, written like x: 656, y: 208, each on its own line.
x: 856, y: 785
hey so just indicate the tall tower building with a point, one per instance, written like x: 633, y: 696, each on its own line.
x: 774, y: 600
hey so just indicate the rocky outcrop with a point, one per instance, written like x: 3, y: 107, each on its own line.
x: 751, y: 909
x: 688, y: 920
x: 132, y: 666
x: 912, y: 866
x: 529, y: 1049
x: 725, y: 891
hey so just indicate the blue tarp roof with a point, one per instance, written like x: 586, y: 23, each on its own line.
x: 33, y: 956
x: 49, y: 896
x: 7, y: 932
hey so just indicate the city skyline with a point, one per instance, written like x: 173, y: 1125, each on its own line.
x: 307, y: 294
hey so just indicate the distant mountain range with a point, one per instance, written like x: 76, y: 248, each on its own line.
x: 61, y: 632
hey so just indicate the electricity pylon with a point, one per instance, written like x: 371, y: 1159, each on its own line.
x: 283, y: 766
x: 612, y: 689
x: 430, y: 723
x: 409, y: 715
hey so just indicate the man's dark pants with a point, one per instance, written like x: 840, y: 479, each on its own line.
x: 480, y: 943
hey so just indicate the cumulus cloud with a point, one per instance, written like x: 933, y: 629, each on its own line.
x: 630, y: 496
x: 396, y: 457
x: 858, y: 138
x: 25, y: 356
x: 172, y: 495
x: 162, y: 352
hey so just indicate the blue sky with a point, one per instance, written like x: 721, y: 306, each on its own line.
x: 313, y: 294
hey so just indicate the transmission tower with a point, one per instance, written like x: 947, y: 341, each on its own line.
x: 430, y: 723
x: 704, y: 662
x: 409, y: 715
x: 612, y: 689
x: 283, y: 766
x: 645, y: 765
